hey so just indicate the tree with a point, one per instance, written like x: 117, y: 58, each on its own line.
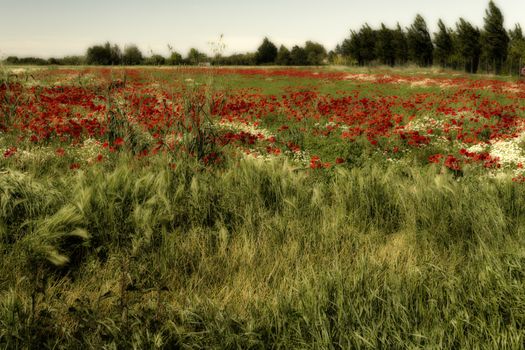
x: 384, y: 47
x: 155, y: 60
x: 115, y: 54
x: 98, y: 55
x: 469, y: 46
x: 495, y: 41
x: 266, y: 53
x: 12, y: 60
x: 346, y: 48
x: 175, y: 59
x: 516, y: 54
x: 443, y: 42
x: 420, y: 48
x: 73, y: 60
x: 367, y: 41
x: 298, y: 56
x: 196, y: 57
x: 315, y: 53
x: 400, y: 44
x: 247, y: 59
x: 104, y: 54
x: 132, y: 55
x: 283, y: 56
x: 361, y: 45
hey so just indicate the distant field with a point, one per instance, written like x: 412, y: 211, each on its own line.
x: 261, y: 208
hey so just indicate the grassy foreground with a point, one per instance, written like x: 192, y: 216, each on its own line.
x: 259, y: 254
x: 291, y: 209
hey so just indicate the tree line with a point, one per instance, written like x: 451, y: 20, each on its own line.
x: 311, y: 53
x: 491, y: 48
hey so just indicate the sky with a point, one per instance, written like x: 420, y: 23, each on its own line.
x: 55, y: 28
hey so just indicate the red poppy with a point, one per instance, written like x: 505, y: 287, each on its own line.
x: 10, y: 152
x: 119, y: 141
x: 60, y: 152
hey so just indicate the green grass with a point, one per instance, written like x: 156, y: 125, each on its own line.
x: 260, y: 256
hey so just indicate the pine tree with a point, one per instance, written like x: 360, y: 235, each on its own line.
x: 443, y: 43
x: 516, y: 55
x: 495, y: 41
x: 384, y: 47
x: 400, y: 44
x: 350, y: 47
x: 420, y: 47
x: 361, y: 45
x: 469, y: 46
x: 367, y: 41
x: 516, y: 34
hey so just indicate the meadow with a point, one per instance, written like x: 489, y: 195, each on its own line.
x: 254, y: 208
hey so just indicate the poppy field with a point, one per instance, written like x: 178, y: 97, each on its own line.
x: 324, y: 119
x: 261, y: 208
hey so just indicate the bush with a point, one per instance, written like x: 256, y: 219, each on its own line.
x: 132, y: 55
x: 266, y: 53
x: 155, y: 60
x: 104, y: 55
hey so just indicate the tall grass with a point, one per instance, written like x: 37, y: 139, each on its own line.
x: 260, y: 255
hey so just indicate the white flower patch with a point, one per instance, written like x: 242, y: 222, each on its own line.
x: 301, y: 157
x: 423, y: 123
x: 422, y: 83
x: 89, y: 150
x: 248, y: 128
x: 40, y: 155
x: 361, y: 77
x: 509, y: 153
x: 254, y: 154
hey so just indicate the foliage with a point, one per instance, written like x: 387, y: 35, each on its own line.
x: 384, y: 47
x: 468, y: 45
x: 516, y: 55
x: 315, y: 53
x: 26, y: 60
x: 195, y: 57
x: 266, y: 53
x: 283, y: 56
x: 400, y: 44
x: 361, y: 45
x: 420, y: 47
x: 155, y: 60
x: 298, y: 56
x: 494, y: 38
x: 444, y: 46
x: 106, y: 54
x: 247, y: 59
x: 132, y: 55
x: 175, y: 59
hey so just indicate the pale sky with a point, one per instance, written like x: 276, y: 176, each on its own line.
x: 67, y: 27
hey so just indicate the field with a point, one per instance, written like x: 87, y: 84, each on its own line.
x: 320, y: 208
